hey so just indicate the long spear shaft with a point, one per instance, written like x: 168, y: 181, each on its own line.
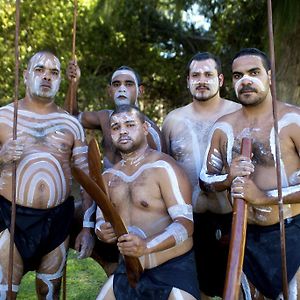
x: 73, y: 56
x: 14, y: 168
x: 278, y: 154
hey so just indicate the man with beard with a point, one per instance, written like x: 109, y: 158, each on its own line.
x: 262, y: 263
x: 152, y: 194
x: 186, y: 132
x: 125, y: 88
x: 48, y: 140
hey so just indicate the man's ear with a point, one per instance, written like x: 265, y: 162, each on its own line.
x: 141, y: 90
x: 270, y: 76
x: 109, y: 91
x: 221, y: 80
x: 25, y: 76
x: 187, y: 82
x: 146, y: 126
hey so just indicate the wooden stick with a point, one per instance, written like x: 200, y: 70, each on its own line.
x: 14, y: 167
x: 72, y: 92
x: 238, y: 239
x: 278, y: 155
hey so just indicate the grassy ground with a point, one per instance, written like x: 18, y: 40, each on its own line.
x: 84, y: 279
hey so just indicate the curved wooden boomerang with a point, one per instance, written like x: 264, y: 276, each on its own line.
x: 93, y: 187
x: 238, y: 239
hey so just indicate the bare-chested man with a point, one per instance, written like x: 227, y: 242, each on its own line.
x: 186, y: 132
x: 125, y: 88
x: 251, y: 80
x: 48, y: 138
x: 153, y: 196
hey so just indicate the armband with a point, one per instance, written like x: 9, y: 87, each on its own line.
x: 87, y: 216
x: 177, y: 230
x: 181, y: 210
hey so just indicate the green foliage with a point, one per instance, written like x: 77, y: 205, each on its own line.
x: 150, y: 36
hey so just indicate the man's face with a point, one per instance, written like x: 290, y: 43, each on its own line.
x: 203, y: 80
x: 42, y: 78
x: 124, y: 88
x: 250, y: 79
x: 127, y: 131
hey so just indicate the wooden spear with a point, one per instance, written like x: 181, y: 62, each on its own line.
x: 14, y: 167
x: 238, y: 239
x: 278, y: 153
x: 70, y: 110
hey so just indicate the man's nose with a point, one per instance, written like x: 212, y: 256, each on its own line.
x: 47, y: 75
x: 123, y: 130
x: 246, y: 80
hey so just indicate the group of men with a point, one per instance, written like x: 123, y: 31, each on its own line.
x: 177, y: 206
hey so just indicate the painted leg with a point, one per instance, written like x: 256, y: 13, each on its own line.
x: 50, y: 272
x: 107, y: 291
x: 17, y: 269
x: 177, y: 294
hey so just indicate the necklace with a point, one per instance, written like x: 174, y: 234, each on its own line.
x: 135, y: 161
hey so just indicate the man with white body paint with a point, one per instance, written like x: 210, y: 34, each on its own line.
x: 152, y: 194
x: 262, y: 263
x: 48, y: 139
x: 186, y: 133
x: 125, y: 88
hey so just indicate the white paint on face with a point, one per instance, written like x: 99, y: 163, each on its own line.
x: 227, y: 129
x: 254, y: 80
x: 43, y: 75
x: 125, y: 128
x: 158, y: 164
x: 122, y: 94
x: 203, y: 80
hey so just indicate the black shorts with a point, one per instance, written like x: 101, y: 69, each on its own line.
x: 37, y: 231
x: 157, y: 283
x: 211, y: 246
x: 262, y: 261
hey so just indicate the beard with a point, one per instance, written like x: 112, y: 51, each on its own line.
x: 204, y: 97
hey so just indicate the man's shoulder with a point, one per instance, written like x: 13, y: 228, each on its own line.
x: 177, y: 113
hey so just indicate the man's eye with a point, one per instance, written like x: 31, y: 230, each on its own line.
x: 129, y: 84
x: 237, y: 76
x: 38, y: 70
x: 55, y: 73
x: 115, y: 128
x: 116, y: 84
x: 254, y: 73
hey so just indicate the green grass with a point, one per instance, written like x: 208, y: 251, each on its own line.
x: 84, y: 279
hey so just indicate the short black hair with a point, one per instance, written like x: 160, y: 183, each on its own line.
x: 138, y: 77
x: 254, y: 51
x: 204, y: 56
x: 128, y: 108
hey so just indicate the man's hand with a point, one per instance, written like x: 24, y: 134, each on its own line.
x: 245, y: 188
x: 84, y: 243
x: 11, y: 151
x: 73, y: 71
x: 132, y: 245
x: 106, y: 233
x: 240, y: 166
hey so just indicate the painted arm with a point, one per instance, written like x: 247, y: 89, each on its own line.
x: 176, y: 193
x: 85, y: 241
x: 155, y: 137
x: 219, y: 169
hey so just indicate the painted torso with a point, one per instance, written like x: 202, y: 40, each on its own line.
x: 261, y: 133
x: 188, y: 141
x: 136, y: 193
x: 43, y: 171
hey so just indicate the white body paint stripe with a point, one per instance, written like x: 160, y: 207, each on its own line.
x: 158, y: 164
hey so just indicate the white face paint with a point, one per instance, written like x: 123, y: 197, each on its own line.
x: 43, y: 76
x: 124, y: 87
x: 126, y: 131
x: 203, y: 80
x: 253, y: 80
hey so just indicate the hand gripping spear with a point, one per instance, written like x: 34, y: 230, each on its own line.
x: 14, y: 170
x: 277, y: 147
x: 238, y: 239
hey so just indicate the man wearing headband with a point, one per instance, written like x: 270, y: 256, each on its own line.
x: 125, y: 87
x: 186, y: 131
